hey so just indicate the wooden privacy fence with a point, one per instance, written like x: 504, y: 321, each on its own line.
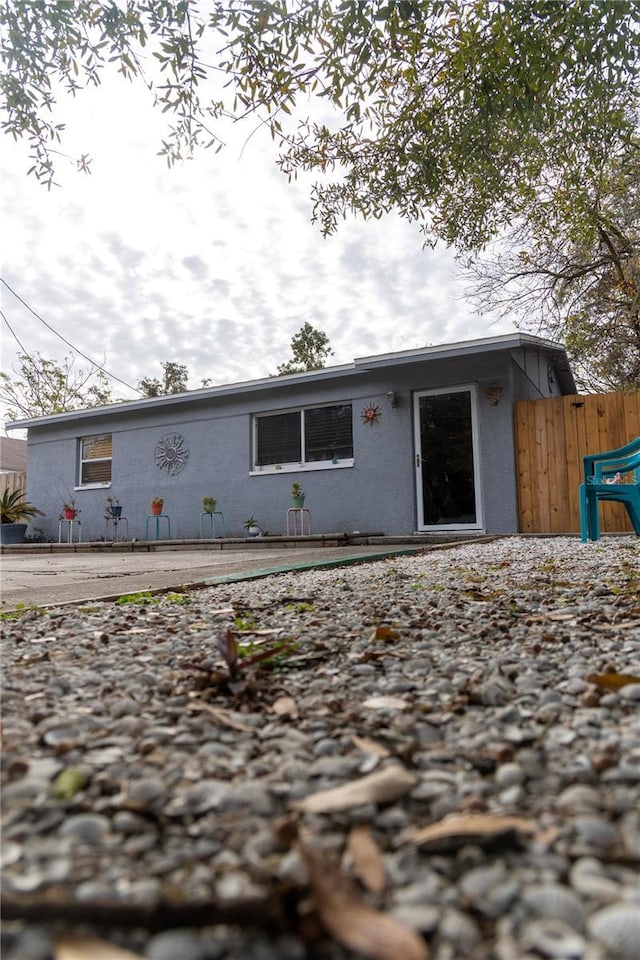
x: 552, y: 436
x: 13, y: 481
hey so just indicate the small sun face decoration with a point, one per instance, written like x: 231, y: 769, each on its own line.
x: 370, y: 413
x: 171, y: 453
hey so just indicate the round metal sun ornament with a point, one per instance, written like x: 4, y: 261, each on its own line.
x: 370, y: 413
x: 171, y: 453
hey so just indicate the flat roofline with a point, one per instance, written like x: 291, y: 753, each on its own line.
x: 357, y: 367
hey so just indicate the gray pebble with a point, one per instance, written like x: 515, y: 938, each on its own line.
x: 618, y: 928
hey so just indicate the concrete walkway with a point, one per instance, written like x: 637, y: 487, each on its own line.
x: 76, y: 575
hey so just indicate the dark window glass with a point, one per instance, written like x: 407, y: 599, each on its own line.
x: 328, y: 433
x: 278, y: 439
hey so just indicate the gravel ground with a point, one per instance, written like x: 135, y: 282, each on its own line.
x: 168, y: 799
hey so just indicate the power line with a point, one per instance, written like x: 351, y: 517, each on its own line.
x: 64, y: 339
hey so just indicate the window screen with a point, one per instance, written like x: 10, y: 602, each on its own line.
x: 95, y: 459
x: 313, y: 435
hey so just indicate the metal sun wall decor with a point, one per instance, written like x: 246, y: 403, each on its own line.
x: 370, y: 413
x: 171, y: 453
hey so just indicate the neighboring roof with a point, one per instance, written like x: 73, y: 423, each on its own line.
x: 465, y: 348
x: 13, y: 455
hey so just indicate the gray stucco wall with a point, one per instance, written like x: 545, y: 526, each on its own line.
x: 376, y: 494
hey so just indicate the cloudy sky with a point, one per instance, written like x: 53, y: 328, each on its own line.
x: 214, y: 263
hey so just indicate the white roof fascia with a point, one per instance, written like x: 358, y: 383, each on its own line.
x: 507, y: 341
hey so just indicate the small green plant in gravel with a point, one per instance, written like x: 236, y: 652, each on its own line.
x: 141, y: 599
x: 299, y: 608
x: 181, y: 599
x: 19, y: 610
x: 245, y: 621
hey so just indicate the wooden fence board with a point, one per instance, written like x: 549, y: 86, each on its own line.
x: 16, y: 480
x: 552, y: 436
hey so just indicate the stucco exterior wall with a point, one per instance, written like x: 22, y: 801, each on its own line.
x: 376, y: 494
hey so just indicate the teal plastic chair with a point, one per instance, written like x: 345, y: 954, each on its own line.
x: 613, y: 475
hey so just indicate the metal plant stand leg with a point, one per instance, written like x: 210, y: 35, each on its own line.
x: 158, y: 517
x: 297, y: 519
x: 212, y: 523
x: 115, y: 521
x: 69, y: 530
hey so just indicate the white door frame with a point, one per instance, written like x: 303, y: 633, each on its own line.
x: 417, y: 459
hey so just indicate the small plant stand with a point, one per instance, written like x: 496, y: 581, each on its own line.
x: 212, y: 523
x: 158, y: 517
x: 297, y: 519
x: 68, y: 530
x: 114, y: 521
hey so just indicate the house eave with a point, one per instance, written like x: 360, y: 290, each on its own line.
x: 358, y: 367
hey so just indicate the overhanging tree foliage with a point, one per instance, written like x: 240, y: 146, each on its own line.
x: 472, y: 119
x: 452, y: 113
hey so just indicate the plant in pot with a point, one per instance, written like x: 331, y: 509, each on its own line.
x: 156, y: 506
x: 253, y: 528
x: 297, y: 495
x: 113, y: 507
x: 13, y: 509
x: 69, y: 510
x: 209, y: 504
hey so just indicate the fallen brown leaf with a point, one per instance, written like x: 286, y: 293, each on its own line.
x: 370, y: 746
x: 481, y: 827
x: 68, y: 947
x: 367, y: 859
x: 223, y: 716
x: 375, y: 935
x: 383, y: 786
x: 384, y: 633
x: 612, y: 681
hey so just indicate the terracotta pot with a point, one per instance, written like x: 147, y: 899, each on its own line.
x: 69, y: 514
x: 156, y: 509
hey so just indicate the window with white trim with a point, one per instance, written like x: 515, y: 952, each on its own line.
x: 95, y: 460
x: 313, y: 435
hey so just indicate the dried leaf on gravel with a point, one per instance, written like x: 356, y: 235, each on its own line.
x: 383, y: 786
x: 225, y: 717
x: 474, y: 827
x: 368, y: 865
x: 384, y: 633
x: 370, y: 746
x: 385, y: 703
x: 375, y: 935
x: 285, y: 707
x: 90, y: 948
x: 612, y: 681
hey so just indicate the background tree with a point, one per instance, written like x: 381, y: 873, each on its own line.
x: 175, y: 378
x: 574, y: 282
x: 41, y: 387
x: 310, y: 349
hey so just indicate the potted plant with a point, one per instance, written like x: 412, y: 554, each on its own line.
x: 209, y: 504
x: 13, y: 509
x: 113, y: 507
x: 156, y: 506
x: 253, y: 528
x: 297, y: 495
x: 69, y: 510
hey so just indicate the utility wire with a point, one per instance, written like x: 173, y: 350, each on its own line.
x: 64, y: 339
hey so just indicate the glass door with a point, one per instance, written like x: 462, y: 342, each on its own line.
x: 446, y: 459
